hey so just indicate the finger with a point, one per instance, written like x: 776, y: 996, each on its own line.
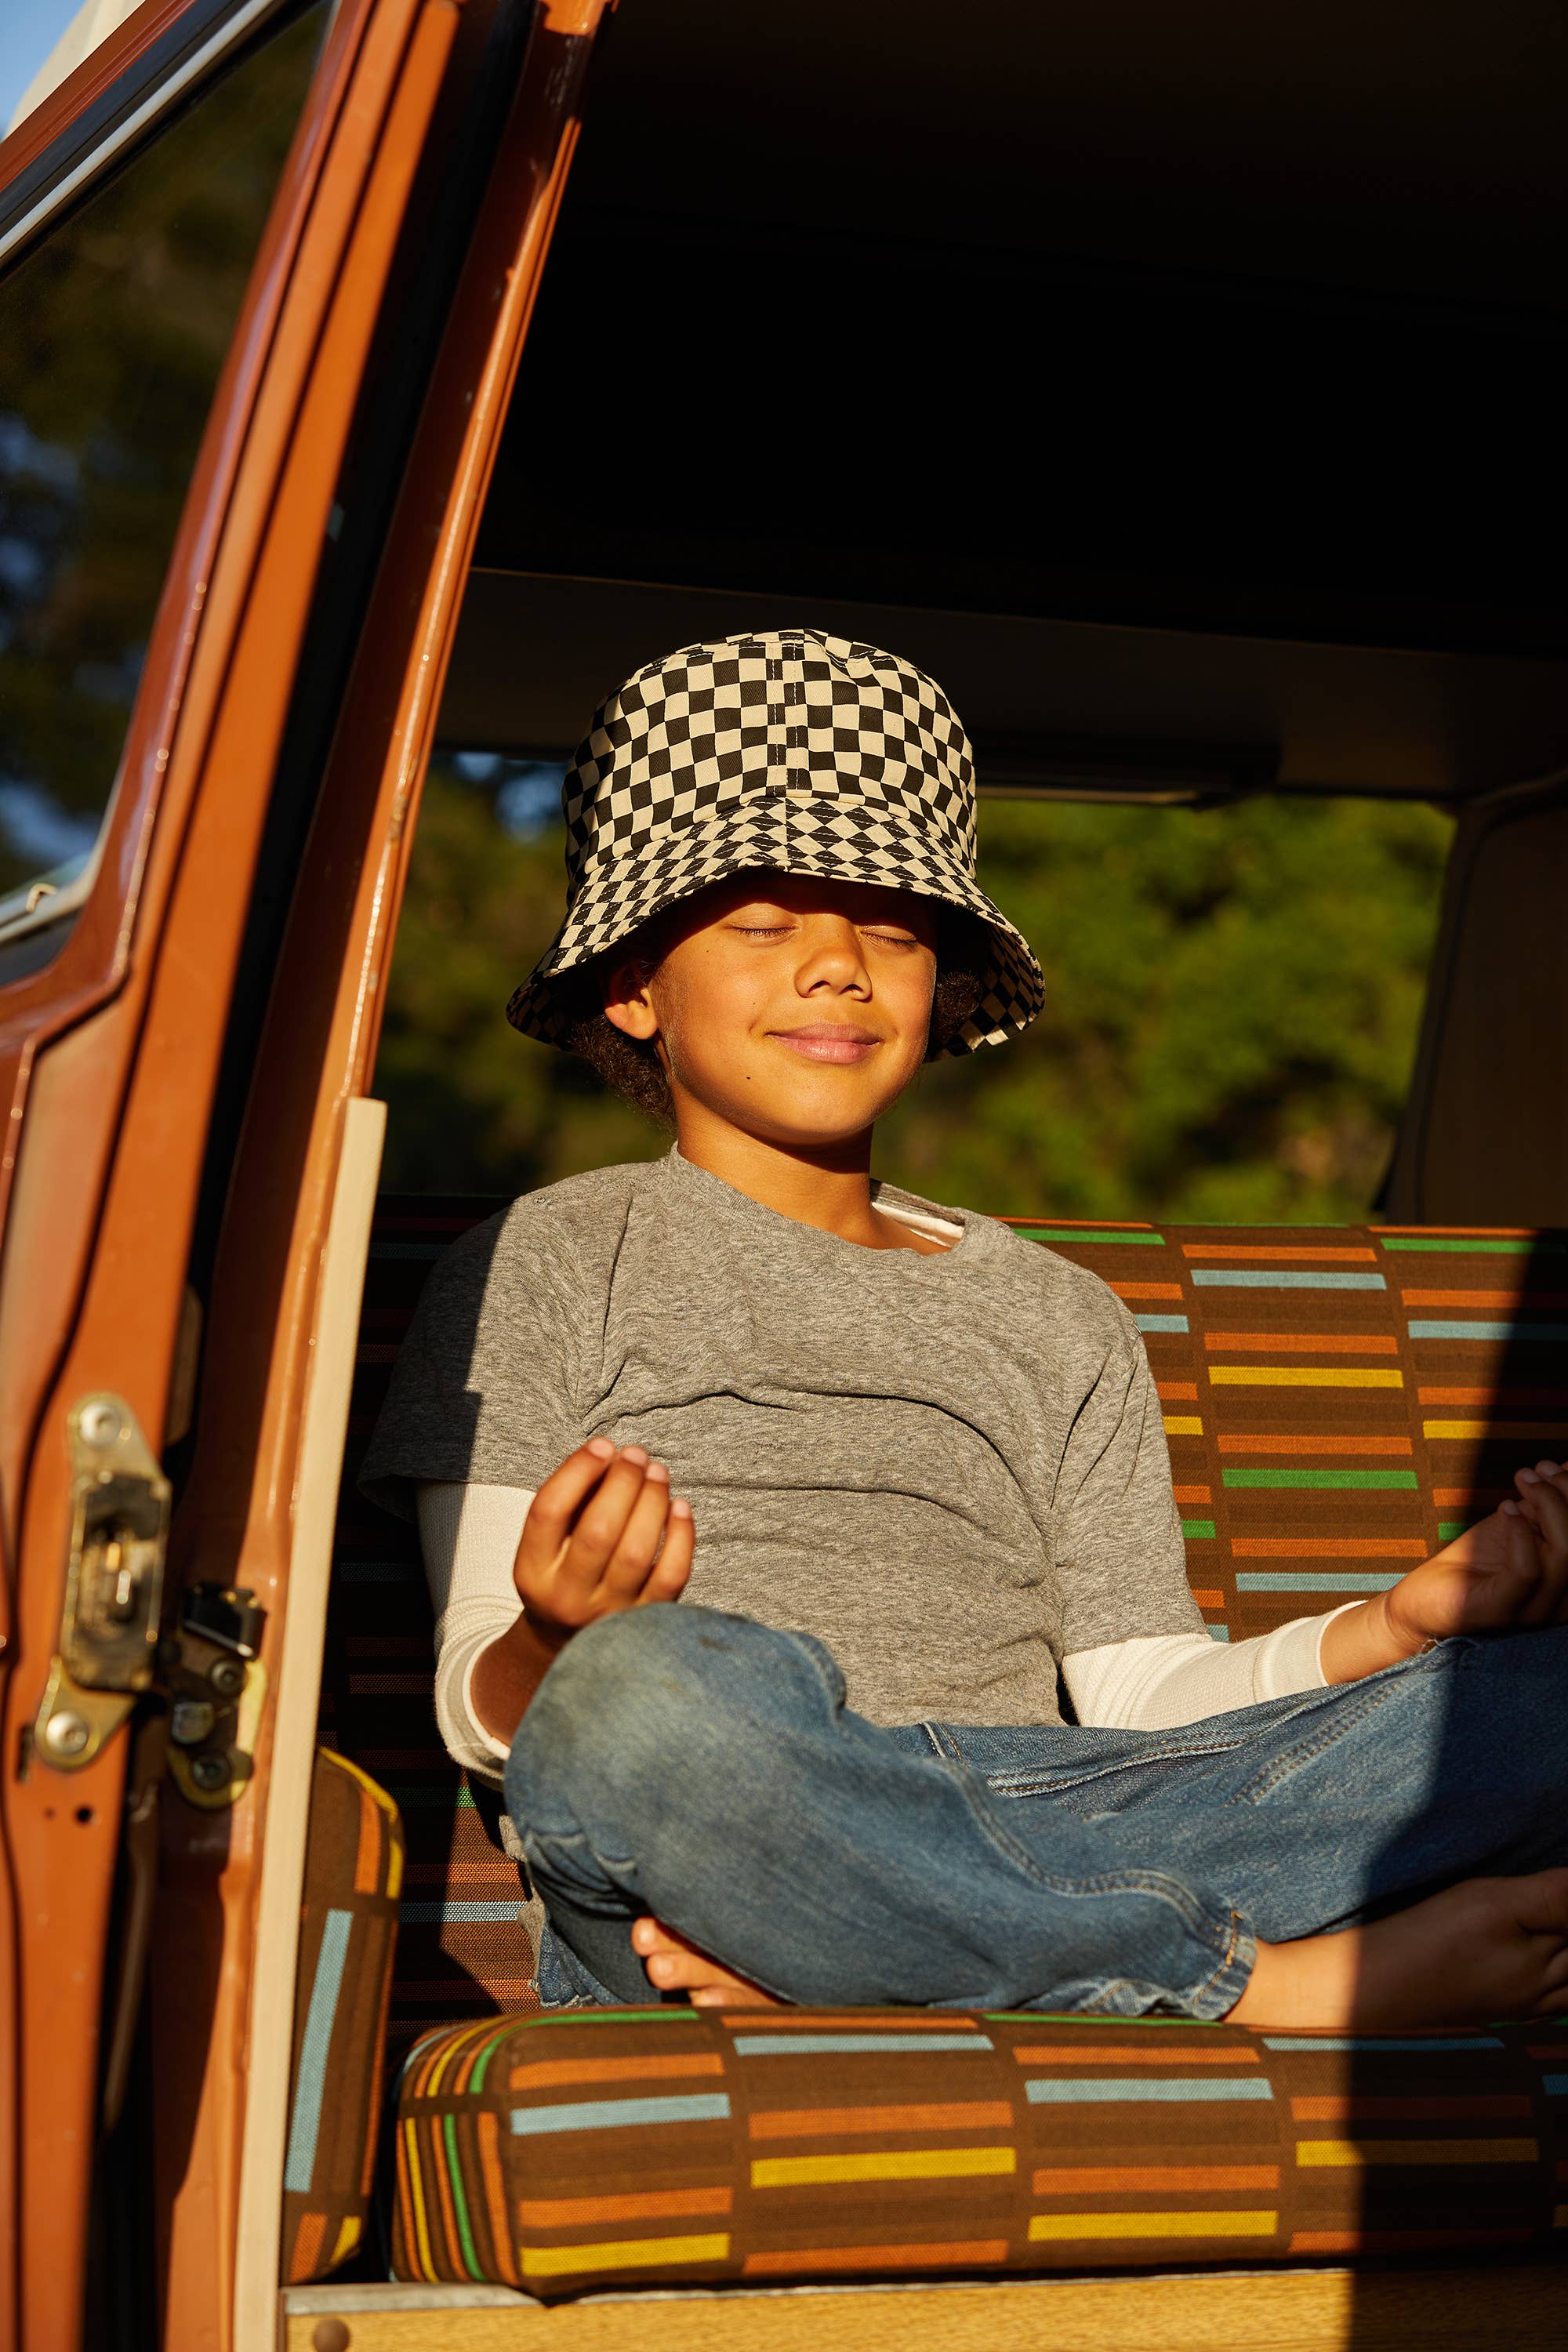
x: 629, y: 1566
x: 547, y: 1529
x: 673, y: 1566
x: 561, y: 1497
x: 569, y: 1589
x: 602, y: 1522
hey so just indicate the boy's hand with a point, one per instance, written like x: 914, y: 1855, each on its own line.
x: 591, y: 1544
x: 1508, y: 1572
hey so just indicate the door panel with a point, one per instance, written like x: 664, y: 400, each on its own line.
x: 117, y: 1037
x: 130, y: 1034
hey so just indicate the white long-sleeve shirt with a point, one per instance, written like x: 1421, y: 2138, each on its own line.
x: 470, y: 1536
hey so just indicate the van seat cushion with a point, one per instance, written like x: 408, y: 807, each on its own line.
x: 684, y: 2148
x: 348, y: 1934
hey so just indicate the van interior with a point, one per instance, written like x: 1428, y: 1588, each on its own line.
x: 1181, y: 391
x: 1182, y: 399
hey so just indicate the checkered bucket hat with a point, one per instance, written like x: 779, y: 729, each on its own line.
x: 786, y: 750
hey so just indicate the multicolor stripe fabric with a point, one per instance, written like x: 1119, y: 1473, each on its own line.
x: 1340, y: 1402
x: 468, y: 1920
x: 680, y: 2147
x: 348, y: 1933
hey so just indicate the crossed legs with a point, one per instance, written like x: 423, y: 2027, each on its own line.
x: 703, y: 1769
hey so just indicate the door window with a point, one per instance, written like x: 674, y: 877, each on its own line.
x: 113, y: 330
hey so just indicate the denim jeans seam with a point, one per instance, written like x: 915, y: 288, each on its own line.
x: 822, y: 1664
x: 1342, y: 1721
x: 1158, y: 1885
x: 1227, y: 1965
x: 1047, y: 1782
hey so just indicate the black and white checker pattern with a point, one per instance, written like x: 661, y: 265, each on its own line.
x: 791, y: 749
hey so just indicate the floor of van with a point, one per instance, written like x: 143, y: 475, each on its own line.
x: 1464, y: 2309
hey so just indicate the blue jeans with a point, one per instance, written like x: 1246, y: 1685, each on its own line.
x: 705, y: 1769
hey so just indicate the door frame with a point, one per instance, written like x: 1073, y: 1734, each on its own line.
x: 110, y: 1055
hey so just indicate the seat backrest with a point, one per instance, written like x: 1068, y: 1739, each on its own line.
x: 1340, y: 1400
x: 462, y: 1947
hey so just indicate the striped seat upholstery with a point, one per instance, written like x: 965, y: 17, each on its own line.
x: 464, y: 1948
x: 679, y: 2147
x: 1339, y: 1402
x: 348, y: 1932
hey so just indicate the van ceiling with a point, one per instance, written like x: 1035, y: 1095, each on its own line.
x: 1246, y: 322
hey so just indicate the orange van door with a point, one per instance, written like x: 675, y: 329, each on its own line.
x: 202, y: 234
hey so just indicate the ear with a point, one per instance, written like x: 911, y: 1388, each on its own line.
x: 626, y: 1000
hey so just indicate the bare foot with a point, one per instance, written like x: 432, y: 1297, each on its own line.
x: 1489, y: 1948
x: 674, y: 1965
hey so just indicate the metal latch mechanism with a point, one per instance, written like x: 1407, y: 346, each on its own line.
x: 110, y: 1649
x: 114, y: 1585
x: 216, y: 1685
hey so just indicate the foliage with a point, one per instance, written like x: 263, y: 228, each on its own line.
x: 473, y: 1105
x: 114, y: 332
x: 1234, y: 996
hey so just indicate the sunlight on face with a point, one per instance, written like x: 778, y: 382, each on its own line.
x: 793, y: 1008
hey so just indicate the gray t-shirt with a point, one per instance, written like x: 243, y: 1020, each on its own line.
x: 951, y: 1468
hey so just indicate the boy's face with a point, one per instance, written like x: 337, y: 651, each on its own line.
x: 794, y: 1009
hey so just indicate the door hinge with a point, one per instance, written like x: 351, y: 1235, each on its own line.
x: 114, y: 1585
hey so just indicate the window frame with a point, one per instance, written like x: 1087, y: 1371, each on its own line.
x: 128, y: 109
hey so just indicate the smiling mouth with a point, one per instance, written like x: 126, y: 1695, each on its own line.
x: 828, y: 1041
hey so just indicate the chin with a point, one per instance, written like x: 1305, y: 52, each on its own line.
x: 819, y: 1115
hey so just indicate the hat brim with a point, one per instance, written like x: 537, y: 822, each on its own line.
x: 786, y: 834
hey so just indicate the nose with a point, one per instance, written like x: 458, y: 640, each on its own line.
x: 832, y: 959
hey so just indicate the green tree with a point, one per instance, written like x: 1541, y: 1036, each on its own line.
x: 114, y: 332
x: 1235, y: 995
x: 474, y: 1107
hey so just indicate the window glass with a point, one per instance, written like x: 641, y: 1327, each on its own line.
x: 1235, y: 994
x: 113, y: 330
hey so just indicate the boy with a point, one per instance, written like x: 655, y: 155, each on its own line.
x: 902, y: 1471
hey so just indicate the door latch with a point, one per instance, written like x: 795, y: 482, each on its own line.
x: 216, y: 1686
x: 114, y: 1584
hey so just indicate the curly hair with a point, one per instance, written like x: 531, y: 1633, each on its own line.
x: 631, y: 1065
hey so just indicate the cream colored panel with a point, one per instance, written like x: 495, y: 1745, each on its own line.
x: 294, y: 1728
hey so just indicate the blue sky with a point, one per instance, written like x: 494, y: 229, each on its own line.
x: 28, y: 31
